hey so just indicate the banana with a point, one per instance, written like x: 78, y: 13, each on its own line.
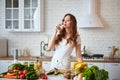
x: 77, y: 66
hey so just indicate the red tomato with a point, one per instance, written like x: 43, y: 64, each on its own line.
x: 10, y: 71
x: 22, y: 76
x: 16, y: 68
x: 20, y: 72
x: 25, y: 71
x: 43, y: 76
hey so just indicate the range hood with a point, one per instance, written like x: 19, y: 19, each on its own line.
x: 91, y: 19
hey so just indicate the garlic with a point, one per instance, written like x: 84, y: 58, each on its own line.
x: 75, y: 78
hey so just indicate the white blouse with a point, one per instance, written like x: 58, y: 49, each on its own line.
x: 61, y: 58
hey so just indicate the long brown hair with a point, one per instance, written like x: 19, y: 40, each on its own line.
x: 73, y: 31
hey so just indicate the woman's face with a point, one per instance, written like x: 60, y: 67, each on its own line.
x: 67, y: 22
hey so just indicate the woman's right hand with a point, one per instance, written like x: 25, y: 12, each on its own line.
x: 58, y: 27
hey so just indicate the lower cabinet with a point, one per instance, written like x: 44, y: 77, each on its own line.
x: 99, y: 64
x: 114, y: 70
x: 4, y: 65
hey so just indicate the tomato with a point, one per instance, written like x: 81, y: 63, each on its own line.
x: 22, y: 76
x: 16, y: 68
x: 43, y: 77
x: 20, y: 72
x: 10, y: 71
x: 25, y: 71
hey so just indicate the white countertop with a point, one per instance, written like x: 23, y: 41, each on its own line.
x: 50, y: 77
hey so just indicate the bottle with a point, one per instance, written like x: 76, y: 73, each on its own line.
x: 25, y: 63
x: 15, y: 55
x: 84, y: 51
x: 38, y: 64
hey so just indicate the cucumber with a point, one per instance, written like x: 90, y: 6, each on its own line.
x: 29, y: 73
x: 2, y: 74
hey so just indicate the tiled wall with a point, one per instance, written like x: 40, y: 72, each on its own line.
x: 96, y: 41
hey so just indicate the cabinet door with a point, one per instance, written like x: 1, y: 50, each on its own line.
x: 114, y: 70
x: 12, y: 15
x: 46, y: 65
x: 100, y: 65
x: 31, y: 13
x: 24, y: 15
x: 4, y: 65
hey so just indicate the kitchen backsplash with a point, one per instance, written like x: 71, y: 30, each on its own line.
x: 97, y: 41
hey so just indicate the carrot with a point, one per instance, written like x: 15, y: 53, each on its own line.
x: 10, y: 77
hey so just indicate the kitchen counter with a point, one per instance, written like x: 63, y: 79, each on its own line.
x: 73, y: 59
x: 50, y: 77
x: 115, y: 60
x: 26, y: 58
x: 105, y: 65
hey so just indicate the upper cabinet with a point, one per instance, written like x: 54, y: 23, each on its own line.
x: 24, y: 15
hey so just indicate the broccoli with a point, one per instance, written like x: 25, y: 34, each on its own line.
x: 101, y: 74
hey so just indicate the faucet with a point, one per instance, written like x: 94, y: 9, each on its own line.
x: 43, y: 47
x: 84, y: 50
x: 41, y: 53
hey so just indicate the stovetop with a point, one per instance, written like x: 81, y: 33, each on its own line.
x: 92, y: 57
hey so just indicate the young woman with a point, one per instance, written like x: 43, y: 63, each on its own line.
x: 65, y: 39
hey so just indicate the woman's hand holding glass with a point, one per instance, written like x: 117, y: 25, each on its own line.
x: 58, y: 28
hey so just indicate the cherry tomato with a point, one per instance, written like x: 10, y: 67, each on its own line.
x: 43, y: 77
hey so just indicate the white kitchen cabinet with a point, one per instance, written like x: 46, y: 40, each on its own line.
x: 99, y: 64
x: 24, y: 15
x: 5, y: 63
x: 114, y: 70
x: 46, y: 65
